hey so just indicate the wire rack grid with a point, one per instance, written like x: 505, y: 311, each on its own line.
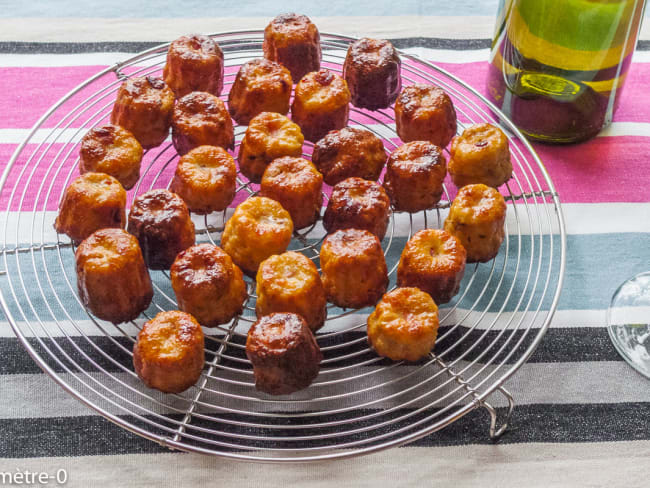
x: 359, y: 403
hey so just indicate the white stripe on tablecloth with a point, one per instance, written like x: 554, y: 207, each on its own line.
x: 608, y: 382
x: 537, y: 465
x: 110, y: 58
x: 640, y: 129
x: 161, y: 29
x: 583, y: 218
x: 61, y: 60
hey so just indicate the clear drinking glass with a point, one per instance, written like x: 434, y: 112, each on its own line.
x: 557, y: 67
x: 627, y: 322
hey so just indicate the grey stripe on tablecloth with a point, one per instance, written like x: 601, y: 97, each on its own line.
x: 589, y: 383
x: 563, y: 423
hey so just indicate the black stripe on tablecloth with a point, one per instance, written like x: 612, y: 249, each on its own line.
x: 566, y: 423
x: 559, y: 345
x: 24, y: 47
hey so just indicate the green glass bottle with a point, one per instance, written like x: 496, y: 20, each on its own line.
x: 557, y: 67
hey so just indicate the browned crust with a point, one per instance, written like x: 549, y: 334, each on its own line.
x: 297, y: 185
x: 360, y: 204
x: 169, y: 352
x: 161, y: 222
x: 329, y: 111
x: 349, y: 152
x: 414, y: 177
x: 404, y: 325
x: 269, y: 136
x: 206, y: 179
x: 144, y: 107
x: 354, y: 268
x: 112, y: 278
x: 93, y: 201
x: 260, y: 86
x: 289, y: 282
x: 425, y: 113
x: 434, y: 261
x: 113, y: 150
x: 259, y: 228
x: 194, y: 63
x: 481, y: 154
x: 293, y: 41
x: 199, y: 119
x: 208, y: 284
x: 284, y: 353
x: 372, y: 70
x: 476, y: 218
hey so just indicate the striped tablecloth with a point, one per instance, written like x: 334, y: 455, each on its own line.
x: 582, y: 416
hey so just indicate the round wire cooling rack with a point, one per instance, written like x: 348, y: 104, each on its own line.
x: 359, y: 403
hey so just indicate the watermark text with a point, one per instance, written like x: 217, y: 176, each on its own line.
x: 25, y: 477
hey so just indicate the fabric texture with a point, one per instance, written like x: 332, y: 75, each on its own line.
x: 582, y: 416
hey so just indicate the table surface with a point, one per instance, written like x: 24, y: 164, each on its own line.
x: 582, y: 415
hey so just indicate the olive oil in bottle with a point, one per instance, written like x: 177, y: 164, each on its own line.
x: 557, y: 67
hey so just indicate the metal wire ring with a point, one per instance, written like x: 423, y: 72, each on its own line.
x: 360, y: 403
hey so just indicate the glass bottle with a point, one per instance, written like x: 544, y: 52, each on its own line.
x: 557, y: 67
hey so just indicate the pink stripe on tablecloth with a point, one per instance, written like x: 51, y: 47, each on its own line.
x: 601, y: 170
x: 29, y: 92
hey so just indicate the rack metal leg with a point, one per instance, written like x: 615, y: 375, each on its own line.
x: 496, y: 430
